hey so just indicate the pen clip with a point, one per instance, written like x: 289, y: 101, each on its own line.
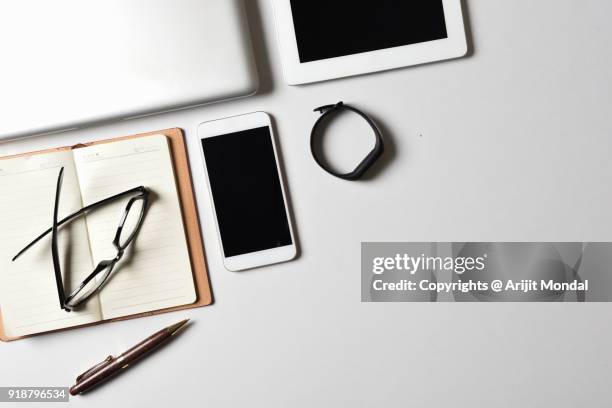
x: 95, y: 368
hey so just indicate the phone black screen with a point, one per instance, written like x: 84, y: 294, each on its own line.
x: 334, y: 28
x: 247, y: 191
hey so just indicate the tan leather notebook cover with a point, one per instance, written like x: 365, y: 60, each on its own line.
x: 190, y: 221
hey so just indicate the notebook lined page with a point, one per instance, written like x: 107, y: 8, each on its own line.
x: 156, y: 271
x: 29, y: 301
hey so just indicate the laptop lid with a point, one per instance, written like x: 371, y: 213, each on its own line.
x: 67, y: 63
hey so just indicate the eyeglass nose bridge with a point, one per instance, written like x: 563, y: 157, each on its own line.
x: 119, y: 255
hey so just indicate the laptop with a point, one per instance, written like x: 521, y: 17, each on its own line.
x: 70, y: 63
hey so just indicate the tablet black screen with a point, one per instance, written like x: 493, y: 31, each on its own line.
x: 335, y: 28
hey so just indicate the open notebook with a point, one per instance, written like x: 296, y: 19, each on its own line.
x: 156, y: 271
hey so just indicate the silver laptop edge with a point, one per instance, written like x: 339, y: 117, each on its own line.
x: 108, y: 60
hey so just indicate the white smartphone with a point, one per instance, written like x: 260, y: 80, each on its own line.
x: 247, y: 190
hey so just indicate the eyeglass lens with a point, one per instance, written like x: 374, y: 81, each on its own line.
x: 130, y: 222
x: 90, y: 287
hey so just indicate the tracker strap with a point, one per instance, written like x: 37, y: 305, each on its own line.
x: 327, y: 112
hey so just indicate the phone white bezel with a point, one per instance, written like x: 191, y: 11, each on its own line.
x: 236, y: 124
x: 296, y: 73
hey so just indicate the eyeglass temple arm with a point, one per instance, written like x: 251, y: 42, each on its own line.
x: 54, y: 251
x: 77, y: 214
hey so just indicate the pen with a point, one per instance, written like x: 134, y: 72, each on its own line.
x: 114, y: 365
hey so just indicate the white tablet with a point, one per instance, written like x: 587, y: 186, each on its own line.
x: 327, y: 39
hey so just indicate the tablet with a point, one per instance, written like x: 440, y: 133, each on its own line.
x: 322, y: 39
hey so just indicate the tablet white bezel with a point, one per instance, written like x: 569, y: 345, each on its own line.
x: 300, y: 73
x: 236, y: 124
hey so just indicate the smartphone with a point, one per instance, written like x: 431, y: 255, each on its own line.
x: 247, y: 190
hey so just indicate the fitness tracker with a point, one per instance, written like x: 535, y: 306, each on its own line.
x: 327, y: 112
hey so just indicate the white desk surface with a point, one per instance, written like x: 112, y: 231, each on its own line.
x: 511, y: 143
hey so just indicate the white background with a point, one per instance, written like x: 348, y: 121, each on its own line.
x: 510, y: 143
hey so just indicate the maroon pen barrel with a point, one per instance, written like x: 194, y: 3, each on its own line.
x: 123, y: 361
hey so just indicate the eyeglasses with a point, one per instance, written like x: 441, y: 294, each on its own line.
x: 126, y: 232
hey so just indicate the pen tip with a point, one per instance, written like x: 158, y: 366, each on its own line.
x: 177, y: 326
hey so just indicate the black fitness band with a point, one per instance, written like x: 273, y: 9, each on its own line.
x: 371, y: 157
